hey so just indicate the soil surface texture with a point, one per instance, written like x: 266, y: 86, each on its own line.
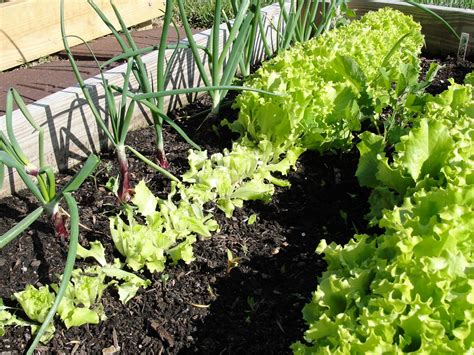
x: 205, y: 307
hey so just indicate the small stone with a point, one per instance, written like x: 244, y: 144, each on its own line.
x: 35, y: 263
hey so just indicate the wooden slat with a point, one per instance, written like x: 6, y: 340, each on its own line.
x: 439, y: 40
x: 71, y: 132
x: 30, y: 29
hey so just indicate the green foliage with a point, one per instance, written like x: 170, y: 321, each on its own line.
x: 167, y: 233
x: 80, y: 304
x: 126, y: 283
x: 201, y: 12
x: 435, y: 152
x: 223, y: 53
x: 170, y: 226
x: 469, y: 79
x: 36, y: 303
x: 329, y: 84
x: 242, y: 174
x: 409, y: 289
x: 7, y: 318
x: 466, y: 4
x: 406, y: 290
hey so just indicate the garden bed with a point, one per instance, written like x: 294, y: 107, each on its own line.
x: 204, y: 307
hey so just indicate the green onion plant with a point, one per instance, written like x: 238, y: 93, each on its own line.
x: 155, y: 103
x: 40, y: 181
x: 257, y: 24
x: 299, y: 21
x: 120, y: 117
x: 222, y: 63
x: 131, y: 50
x: 151, y: 97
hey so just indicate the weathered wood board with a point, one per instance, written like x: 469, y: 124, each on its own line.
x: 30, y: 29
x: 439, y: 40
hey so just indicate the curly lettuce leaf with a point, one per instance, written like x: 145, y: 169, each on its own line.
x: 36, y: 303
x: 7, y: 318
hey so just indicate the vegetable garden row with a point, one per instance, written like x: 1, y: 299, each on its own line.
x: 408, y: 288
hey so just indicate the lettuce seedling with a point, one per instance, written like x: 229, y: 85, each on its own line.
x: 8, y: 319
x: 168, y: 232
x: 36, y: 303
x: 80, y: 304
x: 126, y: 283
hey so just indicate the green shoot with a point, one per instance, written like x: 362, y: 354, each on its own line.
x: 436, y: 16
x: 40, y: 180
x: 70, y: 260
x: 131, y: 52
x: 150, y: 97
x: 222, y: 63
x: 301, y: 20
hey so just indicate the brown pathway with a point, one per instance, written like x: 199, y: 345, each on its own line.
x: 41, y: 80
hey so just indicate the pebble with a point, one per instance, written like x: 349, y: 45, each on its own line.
x: 35, y: 263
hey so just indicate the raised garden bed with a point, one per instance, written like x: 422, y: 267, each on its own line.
x: 247, y: 301
x: 254, y: 308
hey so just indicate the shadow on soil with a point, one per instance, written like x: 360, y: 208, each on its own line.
x: 258, y: 305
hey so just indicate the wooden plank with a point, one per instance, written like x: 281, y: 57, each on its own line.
x: 439, y: 40
x: 71, y: 132
x: 30, y: 29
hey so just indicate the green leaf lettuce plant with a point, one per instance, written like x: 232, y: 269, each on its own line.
x: 328, y: 85
x: 410, y: 288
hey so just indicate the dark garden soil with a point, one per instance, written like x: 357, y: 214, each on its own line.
x: 254, y: 308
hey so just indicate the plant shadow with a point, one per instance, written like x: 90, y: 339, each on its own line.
x: 258, y: 304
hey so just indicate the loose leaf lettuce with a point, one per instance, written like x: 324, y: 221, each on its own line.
x: 81, y: 301
x: 7, y: 318
x: 411, y: 288
x: 329, y: 84
x: 36, y: 303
